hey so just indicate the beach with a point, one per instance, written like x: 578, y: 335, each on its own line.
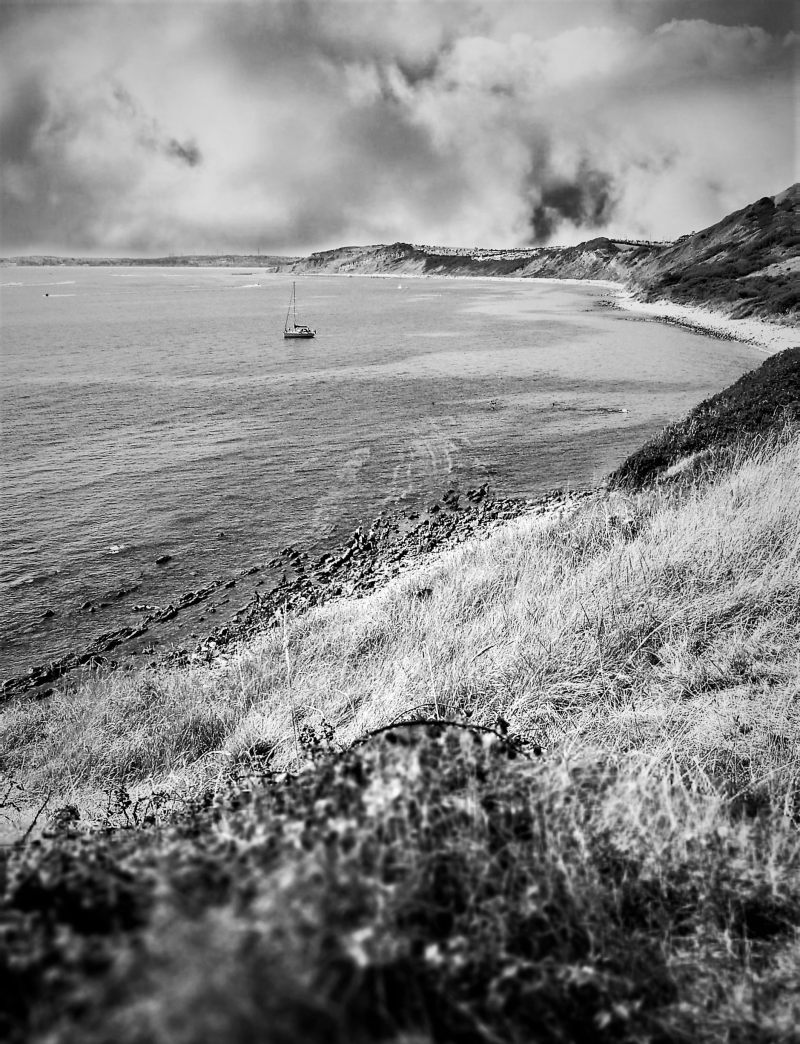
x: 767, y: 337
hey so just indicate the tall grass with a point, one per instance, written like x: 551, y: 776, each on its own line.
x: 667, y: 622
x: 638, y: 882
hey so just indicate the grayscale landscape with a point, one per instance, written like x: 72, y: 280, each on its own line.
x: 400, y: 541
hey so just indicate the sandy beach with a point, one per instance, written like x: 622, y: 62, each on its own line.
x: 769, y: 337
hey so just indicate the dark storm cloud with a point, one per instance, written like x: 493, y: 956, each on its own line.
x: 187, y: 152
x: 586, y: 200
x: 300, y: 125
x: 149, y: 133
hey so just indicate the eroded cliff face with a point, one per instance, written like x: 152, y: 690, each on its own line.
x: 598, y: 259
x: 744, y: 265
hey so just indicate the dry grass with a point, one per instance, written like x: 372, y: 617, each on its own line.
x: 666, y: 622
x: 425, y: 886
x: 639, y: 882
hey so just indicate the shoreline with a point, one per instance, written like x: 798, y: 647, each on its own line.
x: 769, y: 337
x: 356, y: 566
x: 361, y: 564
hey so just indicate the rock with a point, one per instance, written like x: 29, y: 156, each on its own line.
x: 48, y: 613
x: 162, y: 559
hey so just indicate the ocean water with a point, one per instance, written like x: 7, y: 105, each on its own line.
x: 159, y: 411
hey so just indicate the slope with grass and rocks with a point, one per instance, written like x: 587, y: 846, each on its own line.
x: 745, y: 265
x: 543, y: 784
x: 758, y: 405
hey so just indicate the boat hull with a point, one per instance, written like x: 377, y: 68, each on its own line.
x: 303, y: 335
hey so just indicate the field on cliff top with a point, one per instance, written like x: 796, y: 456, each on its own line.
x: 608, y: 850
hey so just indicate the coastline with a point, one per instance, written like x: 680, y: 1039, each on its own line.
x: 362, y: 563
x: 770, y: 338
x: 397, y: 541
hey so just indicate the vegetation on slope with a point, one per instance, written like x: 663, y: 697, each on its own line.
x: 759, y: 403
x: 745, y: 264
x: 636, y: 880
x: 429, y: 885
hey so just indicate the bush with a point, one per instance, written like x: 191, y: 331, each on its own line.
x: 431, y: 881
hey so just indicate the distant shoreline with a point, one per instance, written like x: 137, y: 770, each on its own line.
x: 768, y: 337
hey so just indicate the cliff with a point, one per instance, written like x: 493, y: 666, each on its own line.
x: 744, y: 265
x: 596, y: 259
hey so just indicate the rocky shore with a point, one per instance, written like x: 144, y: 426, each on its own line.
x: 371, y: 556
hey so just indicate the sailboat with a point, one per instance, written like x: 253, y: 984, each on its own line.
x: 295, y: 329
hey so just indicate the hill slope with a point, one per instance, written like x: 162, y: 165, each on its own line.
x: 597, y: 259
x: 280, y: 860
x: 759, y: 403
x: 745, y: 264
x: 630, y: 873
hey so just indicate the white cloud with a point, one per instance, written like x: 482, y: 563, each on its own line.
x: 299, y: 126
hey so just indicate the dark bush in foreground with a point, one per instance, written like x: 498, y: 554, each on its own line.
x: 434, y: 884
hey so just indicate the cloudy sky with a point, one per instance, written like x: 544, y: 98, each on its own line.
x: 296, y: 125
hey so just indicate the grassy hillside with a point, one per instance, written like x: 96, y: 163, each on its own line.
x: 759, y: 404
x: 745, y: 264
x: 610, y: 851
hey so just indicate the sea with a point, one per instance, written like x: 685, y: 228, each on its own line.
x: 158, y: 413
